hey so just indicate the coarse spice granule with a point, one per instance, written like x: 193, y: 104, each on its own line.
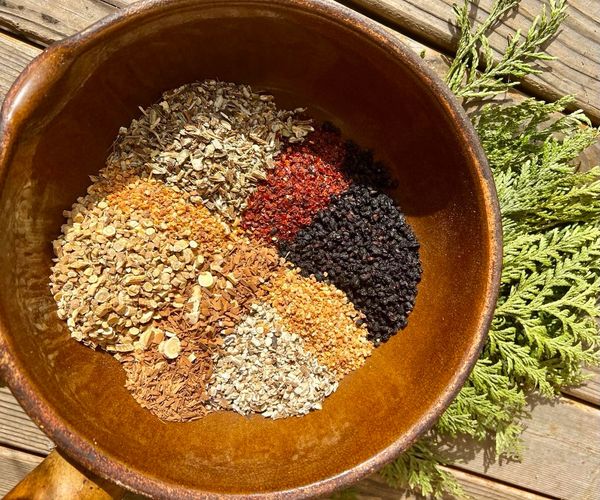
x: 265, y: 369
x: 326, y: 142
x: 169, y: 210
x: 302, y: 182
x: 322, y: 315
x: 214, y: 140
x: 363, y: 245
x: 118, y: 263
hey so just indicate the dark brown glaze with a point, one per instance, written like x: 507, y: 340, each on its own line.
x: 58, y: 123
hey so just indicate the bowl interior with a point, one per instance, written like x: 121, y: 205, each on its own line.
x: 306, y: 58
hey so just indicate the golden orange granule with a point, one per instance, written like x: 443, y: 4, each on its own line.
x: 325, y: 318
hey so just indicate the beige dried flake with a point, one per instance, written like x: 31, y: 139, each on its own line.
x: 266, y: 369
x: 212, y: 139
x: 206, y: 279
x: 170, y: 348
x: 322, y: 314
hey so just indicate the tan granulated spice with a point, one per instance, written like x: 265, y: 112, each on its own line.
x: 124, y: 257
x: 325, y: 318
x: 169, y: 210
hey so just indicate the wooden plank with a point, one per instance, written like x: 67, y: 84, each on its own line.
x: 375, y: 488
x: 16, y: 428
x: 561, y: 456
x: 577, y: 46
x: 47, y: 22
x: 590, y: 391
x: 14, y: 466
x: 14, y: 56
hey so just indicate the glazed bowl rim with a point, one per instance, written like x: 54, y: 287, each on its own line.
x: 67, y: 437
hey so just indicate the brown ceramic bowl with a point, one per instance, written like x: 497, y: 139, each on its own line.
x: 58, y: 123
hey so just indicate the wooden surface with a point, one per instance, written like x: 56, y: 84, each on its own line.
x: 562, y: 439
x: 576, y: 71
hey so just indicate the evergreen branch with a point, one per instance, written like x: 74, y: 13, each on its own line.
x: 508, y: 146
x: 532, y: 252
x: 518, y: 59
x: 418, y: 470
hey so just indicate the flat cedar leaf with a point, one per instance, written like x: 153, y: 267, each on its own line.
x: 544, y: 328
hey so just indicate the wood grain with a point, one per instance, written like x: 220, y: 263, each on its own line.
x: 46, y: 22
x: 477, y: 487
x: 14, y: 466
x: 14, y: 56
x: 577, y: 70
x: 561, y: 454
x: 590, y: 391
x: 16, y: 428
x: 31, y: 19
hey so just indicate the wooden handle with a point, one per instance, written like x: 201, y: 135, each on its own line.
x: 58, y: 478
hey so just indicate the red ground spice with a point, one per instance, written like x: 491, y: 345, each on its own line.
x: 303, y: 181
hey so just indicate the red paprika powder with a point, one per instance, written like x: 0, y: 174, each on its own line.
x: 303, y: 181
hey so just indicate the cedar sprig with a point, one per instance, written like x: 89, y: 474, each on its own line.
x: 421, y: 469
x: 544, y: 328
x: 475, y: 74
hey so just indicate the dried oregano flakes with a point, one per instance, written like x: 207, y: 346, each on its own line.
x: 178, y: 259
x: 213, y: 140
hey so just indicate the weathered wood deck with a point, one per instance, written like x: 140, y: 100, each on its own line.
x: 562, y: 439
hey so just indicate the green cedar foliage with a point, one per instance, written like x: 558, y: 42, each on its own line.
x: 544, y: 326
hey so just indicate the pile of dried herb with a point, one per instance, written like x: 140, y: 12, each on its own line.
x: 305, y: 177
x: 213, y: 140
x: 181, y: 258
